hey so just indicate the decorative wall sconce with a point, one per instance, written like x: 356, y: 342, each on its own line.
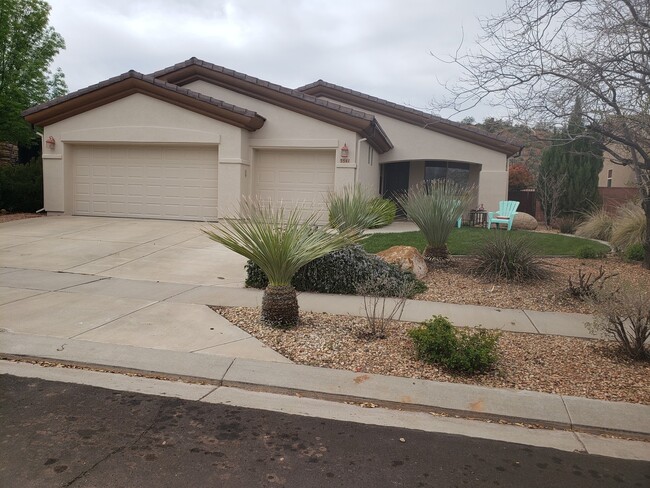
x: 50, y: 142
x: 345, y: 152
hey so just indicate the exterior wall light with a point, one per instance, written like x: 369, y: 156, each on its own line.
x: 345, y: 152
x: 50, y: 142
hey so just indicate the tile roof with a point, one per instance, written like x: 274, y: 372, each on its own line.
x: 211, y: 104
x: 194, y: 69
x: 411, y: 115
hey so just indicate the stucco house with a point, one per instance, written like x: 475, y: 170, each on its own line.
x: 187, y: 142
x: 616, y: 183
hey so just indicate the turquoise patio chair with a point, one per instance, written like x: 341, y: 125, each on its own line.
x: 505, y: 215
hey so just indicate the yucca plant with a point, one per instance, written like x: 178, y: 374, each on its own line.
x: 597, y: 224
x: 280, y: 242
x: 355, y: 208
x: 435, y: 206
x: 630, y: 226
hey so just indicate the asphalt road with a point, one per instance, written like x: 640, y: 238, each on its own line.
x: 59, y: 434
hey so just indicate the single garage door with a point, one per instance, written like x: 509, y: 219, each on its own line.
x: 145, y: 181
x: 295, y: 178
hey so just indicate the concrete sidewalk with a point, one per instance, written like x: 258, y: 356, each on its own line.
x: 97, y: 302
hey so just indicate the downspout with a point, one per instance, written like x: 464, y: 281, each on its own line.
x: 356, y: 159
x: 42, y: 136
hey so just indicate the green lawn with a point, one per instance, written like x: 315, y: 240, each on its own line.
x: 465, y: 239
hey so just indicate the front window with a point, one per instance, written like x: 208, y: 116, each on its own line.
x: 457, y: 172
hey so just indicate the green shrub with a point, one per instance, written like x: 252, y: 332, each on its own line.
x: 342, y: 272
x: 505, y: 257
x: 588, y: 252
x: 597, y: 224
x: 567, y: 225
x: 385, y: 210
x: 21, y: 186
x: 635, y: 252
x: 358, y: 209
x: 629, y: 226
x: 468, y: 351
x: 435, y: 206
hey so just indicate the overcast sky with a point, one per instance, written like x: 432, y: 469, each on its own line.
x: 379, y: 47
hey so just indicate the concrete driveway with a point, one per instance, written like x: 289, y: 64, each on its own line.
x: 136, y: 249
x: 123, y: 281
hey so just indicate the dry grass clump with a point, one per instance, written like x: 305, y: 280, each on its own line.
x: 597, y: 225
x: 629, y: 226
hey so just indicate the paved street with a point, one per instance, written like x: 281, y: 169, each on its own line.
x: 60, y: 434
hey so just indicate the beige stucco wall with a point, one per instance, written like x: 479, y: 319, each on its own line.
x: 145, y: 120
x: 622, y: 176
x: 287, y: 129
x: 417, y: 143
x: 368, y: 169
x: 414, y: 143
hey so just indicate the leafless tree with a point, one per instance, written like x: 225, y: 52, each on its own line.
x: 549, y: 189
x: 539, y: 56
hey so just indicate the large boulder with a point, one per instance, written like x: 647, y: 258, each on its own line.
x: 407, y: 258
x: 524, y: 221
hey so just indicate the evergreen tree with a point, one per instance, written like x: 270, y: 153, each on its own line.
x: 575, y: 153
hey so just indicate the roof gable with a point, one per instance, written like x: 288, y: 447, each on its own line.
x: 348, y: 118
x: 413, y: 116
x: 131, y: 83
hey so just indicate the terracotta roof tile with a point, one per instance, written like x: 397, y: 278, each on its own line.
x: 147, y: 79
x: 410, y: 114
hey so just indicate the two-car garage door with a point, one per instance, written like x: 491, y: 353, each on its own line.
x: 145, y: 181
x: 180, y: 182
x: 297, y: 177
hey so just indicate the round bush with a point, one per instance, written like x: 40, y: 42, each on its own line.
x: 437, y: 341
x: 635, y: 252
x: 341, y: 272
x: 588, y: 252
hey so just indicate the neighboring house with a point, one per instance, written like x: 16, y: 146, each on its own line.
x: 616, y: 175
x: 189, y: 141
x: 616, y: 184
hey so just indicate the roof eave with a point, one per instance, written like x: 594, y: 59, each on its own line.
x: 304, y: 104
x: 133, y: 83
x: 437, y: 124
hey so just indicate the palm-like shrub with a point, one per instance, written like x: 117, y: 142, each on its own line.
x: 630, y: 226
x: 357, y: 209
x: 596, y: 225
x: 435, y: 207
x: 280, y: 242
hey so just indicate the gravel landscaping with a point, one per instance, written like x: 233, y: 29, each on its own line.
x: 8, y: 217
x: 551, y: 364
x: 456, y: 284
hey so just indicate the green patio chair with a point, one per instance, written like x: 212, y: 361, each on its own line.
x: 505, y: 215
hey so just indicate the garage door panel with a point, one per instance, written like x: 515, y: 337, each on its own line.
x: 173, y: 182
x: 295, y: 178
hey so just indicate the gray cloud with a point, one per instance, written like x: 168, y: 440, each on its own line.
x: 381, y: 47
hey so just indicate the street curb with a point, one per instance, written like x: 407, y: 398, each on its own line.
x: 516, y: 406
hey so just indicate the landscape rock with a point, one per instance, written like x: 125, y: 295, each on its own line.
x: 407, y: 258
x: 524, y: 221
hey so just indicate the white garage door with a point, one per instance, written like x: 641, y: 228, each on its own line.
x: 161, y: 182
x: 295, y: 178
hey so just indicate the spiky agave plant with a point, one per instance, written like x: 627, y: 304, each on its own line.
x: 435, y: 206
x: 355, y: 208
x: 280, y: 242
